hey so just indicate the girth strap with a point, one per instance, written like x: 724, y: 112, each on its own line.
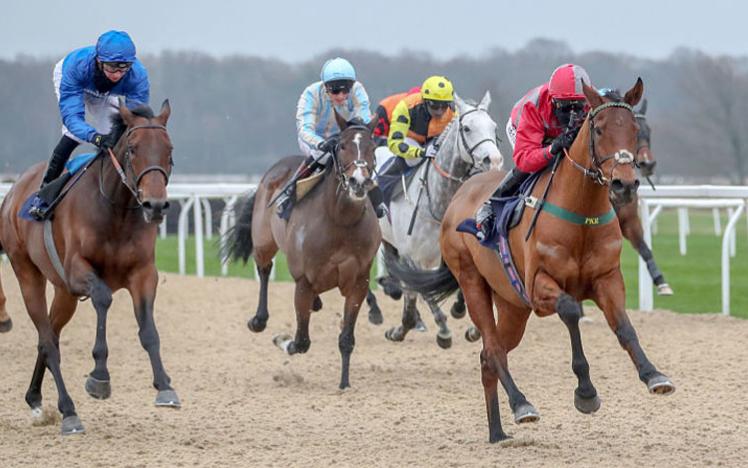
x: 54, y: 257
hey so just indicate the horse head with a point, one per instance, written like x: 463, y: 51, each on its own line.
x: 644, y: 158
x: 147, y: 159
x: 354, y: 159
x: 478, y: 135
x: 613, y: 132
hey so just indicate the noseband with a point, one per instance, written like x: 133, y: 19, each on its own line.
x: 134, y: 188
x: 620, y: 157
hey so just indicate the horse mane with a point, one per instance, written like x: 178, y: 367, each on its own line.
x: 118, y: 124
x: 447, y: 130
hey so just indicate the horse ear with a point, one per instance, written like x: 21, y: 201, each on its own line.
x: 460, y: 104
x: 593, y: 97
x: 643, y: 108
x: 164, y: 114
x: 342, y: 124
x: 634, y: 94
x: 486, y: 101
x: 127, y: 116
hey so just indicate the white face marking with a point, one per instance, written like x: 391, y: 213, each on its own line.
x: 357, y: 141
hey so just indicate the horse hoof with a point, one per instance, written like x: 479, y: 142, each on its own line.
x: 6, y: 326
x: 587, y: 405
x: 99, y: 389
x: 168, y: 399
x: 526, y: 414
x: 256, y: 325
x: 664, y: 289
x: 660, y: 385
x: 457, y: 310
x: 472, y: 334
x: 444, y: 342
x: 394, y: 335
x: 285, y: 343
x: 498, y: 438
x: 375, y: 316
x: 72, y: 425
x: 316, y: 305
x: 420, y: 326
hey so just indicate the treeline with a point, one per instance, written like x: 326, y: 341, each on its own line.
x: 235, y: 115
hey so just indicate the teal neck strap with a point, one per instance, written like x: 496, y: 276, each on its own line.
x: 575, y: 218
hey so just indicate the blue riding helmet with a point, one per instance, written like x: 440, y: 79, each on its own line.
x: 115, y: 46
x: 337, y: 69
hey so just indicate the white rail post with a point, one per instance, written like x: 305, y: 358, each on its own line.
x: 162, y: 228
x: 717, y: 222
x: 733, y: 235
x: 198, y: 222
x: 208, y: 219
x: 726, y: 259
x: 646, y: 298
x: 226, y: 215
x: 182, y: 233
x: 683, y: 229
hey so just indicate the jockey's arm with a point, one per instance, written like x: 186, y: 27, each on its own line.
x: 530, y: 155
x: 399, y: 126
x: 306, y: 119
x: 72, y: 107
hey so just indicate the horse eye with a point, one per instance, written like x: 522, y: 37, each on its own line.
x: 598, y: 131
x: 467, y: 129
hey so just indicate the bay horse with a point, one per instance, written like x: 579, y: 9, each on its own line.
x: 103, y: 239
x: 561, y: 264
x: 330, y: 239
x: 628, y: 213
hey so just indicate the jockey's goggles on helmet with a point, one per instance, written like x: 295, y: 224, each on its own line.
x: 339, y: 86
x: 437, y: 105
x: 569, y: 106
x: 114, y: 67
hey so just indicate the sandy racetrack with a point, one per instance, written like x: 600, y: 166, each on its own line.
x: 412, y: 404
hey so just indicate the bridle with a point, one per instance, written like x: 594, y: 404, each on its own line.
x: 620, y: 157
x: 134, y: 188
x: 340, y: 170
x: 642, y: 139
x: 474, y: 165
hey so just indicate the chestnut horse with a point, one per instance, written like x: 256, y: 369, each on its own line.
x: 103, y: 239
x: 561, y: 264
x: 330, y: 239
x: 628, y: 213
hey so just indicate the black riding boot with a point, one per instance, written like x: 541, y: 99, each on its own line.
x: 284, y: 200
x: 48, y: 189
x: 484, y: 218
x: 377, y: 201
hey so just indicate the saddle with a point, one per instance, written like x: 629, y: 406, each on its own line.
x: 59, y: 187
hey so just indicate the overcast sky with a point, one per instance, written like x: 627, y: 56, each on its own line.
x: 298, y: 30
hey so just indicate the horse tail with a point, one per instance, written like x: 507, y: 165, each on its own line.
x: 435, y: 285
x: 237, y: 242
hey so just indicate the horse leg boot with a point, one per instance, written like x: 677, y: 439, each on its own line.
x: 346, y: 339
x: 610, y: 296
x: 549, y: 297
x: 143, y: 291
x: 375, y: 313
x: 444, y: 335
x: 303, y: 299
x: 260, y: 320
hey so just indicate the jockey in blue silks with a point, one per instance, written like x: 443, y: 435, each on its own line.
x: 88, y: 83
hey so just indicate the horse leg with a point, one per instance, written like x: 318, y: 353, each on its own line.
x: 142, y: 289
x: 492, y: 356
x: 375, y: 313
x: 631, y: 229
x: 511, y: 328
x: 444, y: 335
x: 260, y: 320
x: 303, y: 299
x: 84, y: 281
x: 410, y: 319
x: 33, y: 285
x: 610, y: 296
x: 346, y: 339
x: 6, y: 324
x: 458, y: 308
x: 548, y: 296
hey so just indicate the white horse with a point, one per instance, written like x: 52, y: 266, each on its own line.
x: 467, y: 145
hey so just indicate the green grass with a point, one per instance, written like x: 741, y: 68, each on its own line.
x: 695, y: 277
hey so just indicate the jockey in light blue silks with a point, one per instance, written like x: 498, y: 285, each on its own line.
x: 88, y: 82
x: 315, y: 120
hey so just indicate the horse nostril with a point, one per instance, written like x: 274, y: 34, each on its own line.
x: 487, y: 161
x: 616, y: 185
x: 166, y: 205
x: 636, y: 184
x: 147, y: 205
